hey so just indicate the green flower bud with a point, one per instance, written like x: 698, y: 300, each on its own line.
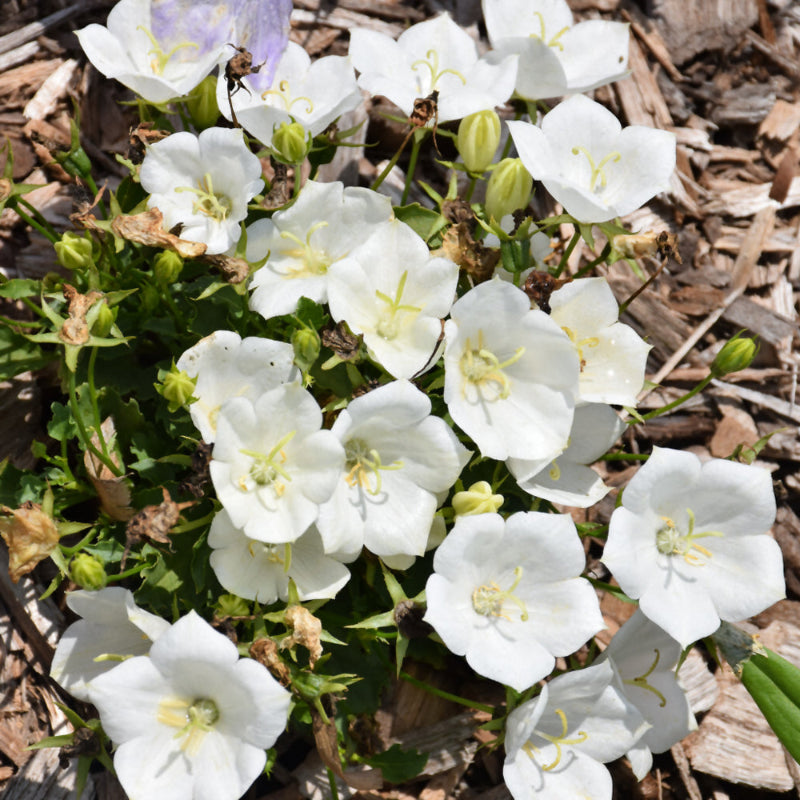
x: 736, y: 354
x: 176, y: 387
x: 508, y: 189
x: 106, y: 317
x: 167, y: 266
x: 74, y: 251
x: 306, y: 348
x: 290, y: 143
x: 75, y: 163
x: 202, y: 104
x: 88, y: 572
x: 478, y: 499
x: 151, y: 297
x: 478, y: 139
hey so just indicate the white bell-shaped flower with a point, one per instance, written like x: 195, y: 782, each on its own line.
x: 593, y: 166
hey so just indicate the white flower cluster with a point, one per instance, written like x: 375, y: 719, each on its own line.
x: 300, y: 496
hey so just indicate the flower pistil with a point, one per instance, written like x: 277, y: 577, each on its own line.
x: 488, y: 599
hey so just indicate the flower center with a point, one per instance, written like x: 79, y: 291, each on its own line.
x: 642, y: 683
x: 488, y: 599
x: 216, y: 206
x: 194, y: 719
x: 283, y: 95
x: 389, y: 325
x: 670, y: 541
x: 266, y: 469
x: 484, y: 369
x: 558, y: 741
x: 589, y: 341
x: 542, y: 36
x: 313, y: 261
x: 158, y: 62
x: 274, y: 552
x: 598, y: 171
x: 363, y: 461
x: 431, y: 62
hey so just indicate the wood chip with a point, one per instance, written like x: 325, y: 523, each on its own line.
x: 44, y: 102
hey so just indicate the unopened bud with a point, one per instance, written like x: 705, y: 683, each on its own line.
x: 290, y: 143
x: 104, y: 322
x: 202, y: 104
x: 167, y: 266
x: 478, y: 499
x: 508, y: 189
x: 306, y: 348
x: 176, y: 387
x: 74, y: 252
x: 88, y: 572
x: 736, y: 354
x: 478, y: 139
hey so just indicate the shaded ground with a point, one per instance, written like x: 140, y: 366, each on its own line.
x: 725, y: 80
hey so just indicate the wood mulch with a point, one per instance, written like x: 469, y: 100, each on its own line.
x: 725, y: 78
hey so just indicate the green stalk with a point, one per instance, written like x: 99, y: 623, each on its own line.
x: 675, y: 403
x: 93, y: 399
x: 35, y: 225
x: 412, y: 164
x: 84, y: 435
x: 446, y: 695
x: 568, y: 252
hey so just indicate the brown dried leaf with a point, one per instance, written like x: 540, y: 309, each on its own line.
x: 233, y: 270
x: 113, y: 491
x: 75, y: 329
x: 474, y: 258
x: 306, y: 629
x: 31, y: 535
x: 154, y: 522
x: 146, y: 229
x: 265, y: 651
x: 328, y: 750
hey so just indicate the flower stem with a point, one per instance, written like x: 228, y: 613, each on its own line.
x: 680, y: 401
x: 32, y: 222
x: 84, y: 434
x: 446, y: 695
x: 568, y: 252
x: 416, y: 141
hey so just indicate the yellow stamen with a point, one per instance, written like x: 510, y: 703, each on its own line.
x: 159, y: 61
x: 363, y: 460
x: 670, y: 541
x: 598, y: 171
x: 488, y: 599
x: 431, y: 61
x: 642, y: 683
x: 388, y: 326
x: 481, y: 367
x: 283, y: 93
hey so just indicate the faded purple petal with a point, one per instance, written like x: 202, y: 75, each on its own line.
x: 206, y: 23
x: 262, y: 26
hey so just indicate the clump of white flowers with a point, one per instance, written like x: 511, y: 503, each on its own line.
x: 376, y: 382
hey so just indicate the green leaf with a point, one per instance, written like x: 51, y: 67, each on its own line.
x: 399, y: 765
x: 20, y: 287
x: 424, y: 221
x: 62, y: 426
x: 19, y: 354
x: 778, y: 708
